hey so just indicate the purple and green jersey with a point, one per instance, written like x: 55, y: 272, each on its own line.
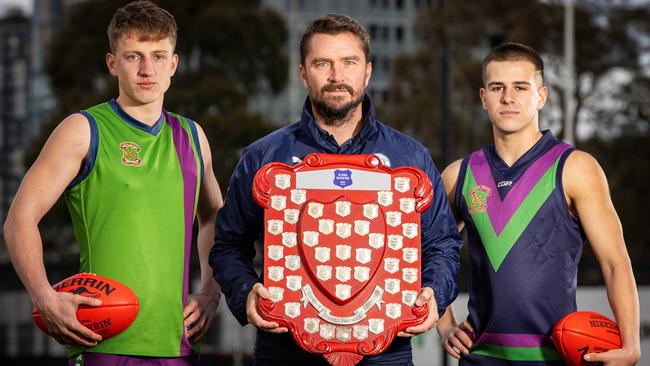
x: 133, y: 207
x: 524, y: 248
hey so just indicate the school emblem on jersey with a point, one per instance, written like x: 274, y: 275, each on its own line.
x: 342, y: 255
x: 130, y: 151
x: 478, y: 199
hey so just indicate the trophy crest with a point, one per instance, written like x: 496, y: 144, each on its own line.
x: 342, y: 252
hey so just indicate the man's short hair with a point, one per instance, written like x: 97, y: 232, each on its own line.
x: 142, y: 19
x: 512, y: 51
x: 334, y: 24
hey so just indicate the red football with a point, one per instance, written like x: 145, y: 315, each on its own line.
x: 118, y: 309
x: 584, y: 332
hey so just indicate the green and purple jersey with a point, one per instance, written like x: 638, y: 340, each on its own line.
x: 133, y: 207
x: 524, y: 248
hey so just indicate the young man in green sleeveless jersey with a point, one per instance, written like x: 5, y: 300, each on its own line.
x: 529, y: 202
x: 135, y: 177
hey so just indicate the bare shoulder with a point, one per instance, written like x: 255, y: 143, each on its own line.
x: 450, y: 174
x: 580, y: 159
x: 57, y: 164
x: 71, y: 136
x: 210, y: 199
x: 582, y: 174
x: 75, y: 122
x: 450, y: 177
x: 205, y: 145
x: 203, y: 140
x: 199, y: 129
x: 582, y: 164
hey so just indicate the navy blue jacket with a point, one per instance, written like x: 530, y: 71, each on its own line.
x: 240, y: 221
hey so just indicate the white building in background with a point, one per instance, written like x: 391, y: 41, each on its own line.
x: 391, y: 26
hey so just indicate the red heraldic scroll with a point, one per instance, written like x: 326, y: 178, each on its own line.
x: 342, y: 252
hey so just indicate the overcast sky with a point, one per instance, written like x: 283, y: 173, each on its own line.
x: 26, y: 5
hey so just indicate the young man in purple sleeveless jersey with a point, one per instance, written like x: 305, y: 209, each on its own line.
x: 529, y: 201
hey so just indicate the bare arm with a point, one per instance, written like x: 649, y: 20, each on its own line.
x: 454, y: 336
x: 210, y: 201
x: 447, y: 322
x: 587, y: 192
x: 57, y: 165
x: 449, y: 177
x: 450, y: 180
x: 203, y: 305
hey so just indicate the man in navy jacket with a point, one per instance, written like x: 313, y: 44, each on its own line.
x: 337, y: 118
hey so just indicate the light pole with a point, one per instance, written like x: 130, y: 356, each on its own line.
x: 569, y: 67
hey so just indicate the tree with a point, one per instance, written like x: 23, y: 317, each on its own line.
x: 608, y: 40
x: 228, y: 52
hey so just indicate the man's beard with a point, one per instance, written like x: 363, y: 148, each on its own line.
x: 336, y: 116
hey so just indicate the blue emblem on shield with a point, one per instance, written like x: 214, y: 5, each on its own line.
x: 343, y: 178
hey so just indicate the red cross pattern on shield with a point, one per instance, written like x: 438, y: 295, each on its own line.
x: 342, y: 252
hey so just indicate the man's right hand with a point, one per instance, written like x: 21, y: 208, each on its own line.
x: 254, y: 317
x: 59, y: 313
x: 457, y: 341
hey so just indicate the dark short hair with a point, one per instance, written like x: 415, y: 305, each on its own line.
x: 334, y: 24
x: 512, y: 51
x: 144, y: 19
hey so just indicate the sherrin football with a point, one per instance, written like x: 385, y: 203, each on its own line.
x: 118, y: 309
x: 584, y: 332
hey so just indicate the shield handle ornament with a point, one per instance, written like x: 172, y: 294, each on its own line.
x: 342, y: 253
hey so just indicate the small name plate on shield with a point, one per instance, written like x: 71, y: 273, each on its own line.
x: 342, y: 252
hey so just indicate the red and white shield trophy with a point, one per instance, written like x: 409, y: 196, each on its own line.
x: 342, y: 252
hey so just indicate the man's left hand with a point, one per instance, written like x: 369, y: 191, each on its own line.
x: 425, y: 296
x: 199, y: 312
x: 615, y: 357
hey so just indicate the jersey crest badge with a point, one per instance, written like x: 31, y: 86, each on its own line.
x: 478, y: 198
x: 342, y: 256
x: 130, y: 151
